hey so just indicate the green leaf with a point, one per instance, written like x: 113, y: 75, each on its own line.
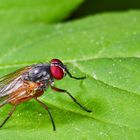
x: 35, y: 11
x: 104, y: 47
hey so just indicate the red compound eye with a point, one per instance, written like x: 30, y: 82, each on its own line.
x: 57, y: 72
x: 56, y: 68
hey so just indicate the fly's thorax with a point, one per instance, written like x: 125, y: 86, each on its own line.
x: 39, y: 73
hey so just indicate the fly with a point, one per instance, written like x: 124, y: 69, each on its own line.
x: 31, y: 82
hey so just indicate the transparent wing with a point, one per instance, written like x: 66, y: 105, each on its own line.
x: 11, y: 82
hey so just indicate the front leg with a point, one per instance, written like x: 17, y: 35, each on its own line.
x: 65, y: 91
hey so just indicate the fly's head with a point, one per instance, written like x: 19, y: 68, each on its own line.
x: 57, y: 69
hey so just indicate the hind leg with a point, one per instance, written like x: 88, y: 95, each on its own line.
x: 9, y: 115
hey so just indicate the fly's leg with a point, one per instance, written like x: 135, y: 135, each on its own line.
x: 43, y: 105
x: 71, y: 76
x: 9, y: 115
x: 65, y: 91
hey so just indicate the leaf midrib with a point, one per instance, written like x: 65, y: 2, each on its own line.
x: 73, y: 62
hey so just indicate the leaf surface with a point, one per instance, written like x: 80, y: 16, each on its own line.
x: 104, y: 47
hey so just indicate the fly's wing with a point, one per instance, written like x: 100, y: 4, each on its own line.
x: 11, y: 82
x: 10, y: 77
